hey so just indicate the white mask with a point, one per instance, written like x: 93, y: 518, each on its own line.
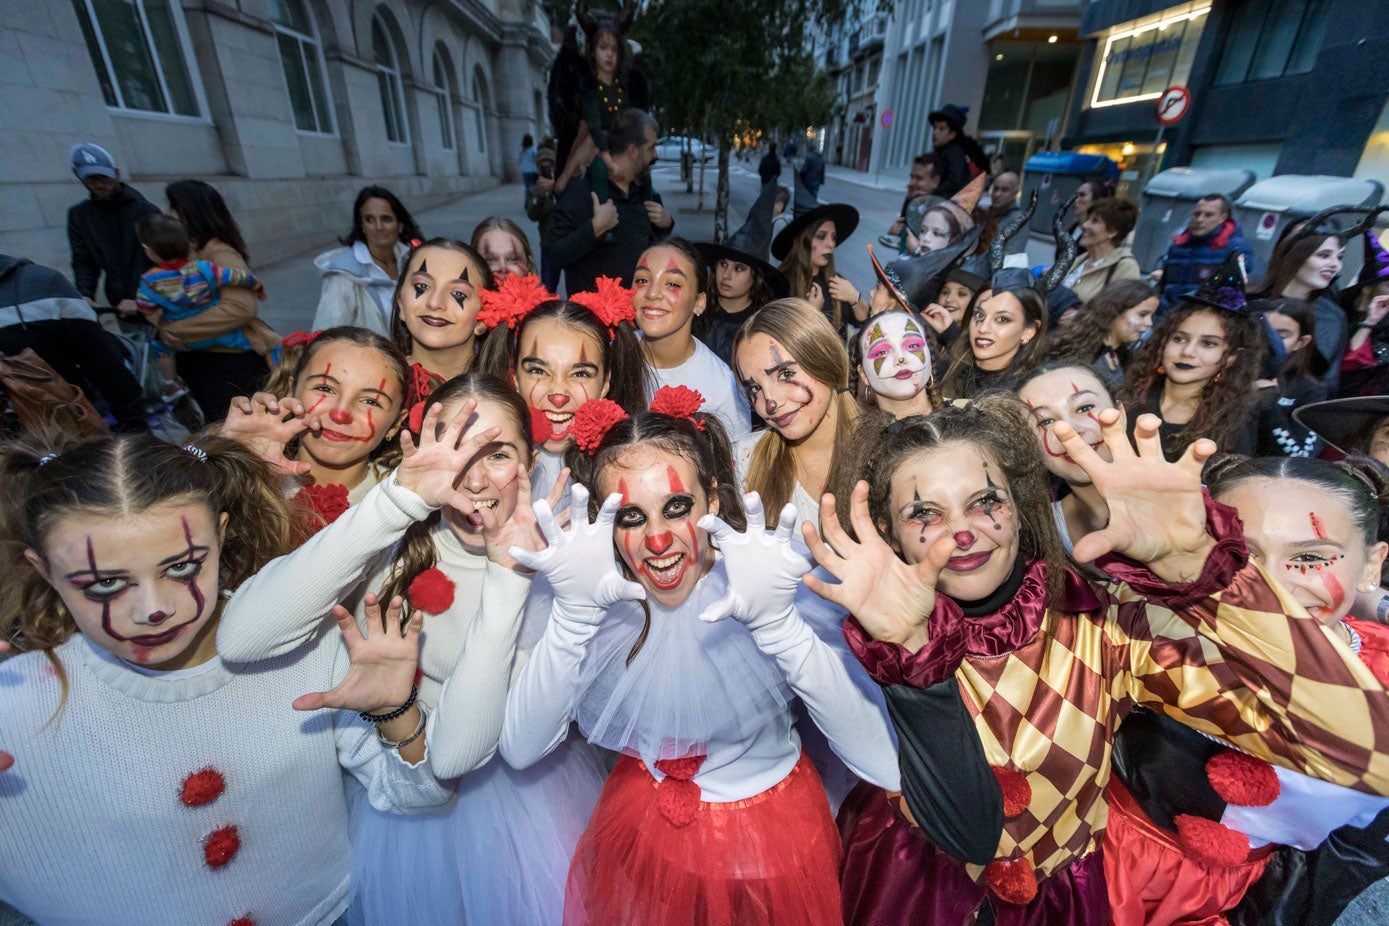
x: 896, y: 359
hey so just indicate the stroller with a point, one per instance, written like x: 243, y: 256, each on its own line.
x: 173, y: 421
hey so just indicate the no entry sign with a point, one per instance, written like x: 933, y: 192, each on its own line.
x: 886, y: 118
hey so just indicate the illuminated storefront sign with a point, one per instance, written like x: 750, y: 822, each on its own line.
x: 1141, y: 59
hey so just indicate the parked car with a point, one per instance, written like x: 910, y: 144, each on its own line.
x: 670, y: 147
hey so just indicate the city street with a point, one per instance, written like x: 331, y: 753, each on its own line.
x: 292, y: 284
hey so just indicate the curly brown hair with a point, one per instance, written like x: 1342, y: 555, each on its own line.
x: 1083, y: 338
x: 1227, y: 400
x: 49, y: 479
x: 1001, y: 428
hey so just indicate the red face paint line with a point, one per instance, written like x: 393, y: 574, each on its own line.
x: 1317, y: 527
x: 622, y: 490
x: 1335, y: 591
x: 676, y: 486
x: 324, y: 376
x: 671, y: 265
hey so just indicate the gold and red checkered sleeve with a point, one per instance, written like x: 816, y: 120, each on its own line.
x: 1248, y: 665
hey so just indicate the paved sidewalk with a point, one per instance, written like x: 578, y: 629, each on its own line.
x: 292, y: 284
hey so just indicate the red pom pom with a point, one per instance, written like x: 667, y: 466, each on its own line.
x: 431, y: 591
x: 678, y: 801
x: 326, y: 502
x: 221, y: 846
x: 514, y: 299
x: 610, y: 301
x: 593, y: 421
x: 676, y: 401
x: 416, y: 419
x: 680, y: 769
x: 541, y: 430
x: 202, y: 787
x: 1011, y: 880
x: 1211, y: 843
x: 1242, y: 779
x: 1017, y: 793
x: 242, y: 921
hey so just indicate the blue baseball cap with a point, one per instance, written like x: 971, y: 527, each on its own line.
x: 88, y: 159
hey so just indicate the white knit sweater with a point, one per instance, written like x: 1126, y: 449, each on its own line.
x: 93, y: 827
x: 466, y: 652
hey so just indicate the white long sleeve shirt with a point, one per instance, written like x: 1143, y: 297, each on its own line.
x: 466, y: 652
x: 677, y: 681
x: 92, y: 826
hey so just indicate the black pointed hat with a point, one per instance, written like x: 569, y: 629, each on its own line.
x: 843, y: 215
x: 914, y: 280
x: 748, y: 245
x: 1375, y: 270
x: 1223, y: 289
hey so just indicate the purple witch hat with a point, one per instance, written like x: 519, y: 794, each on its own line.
x: 1376, y: 267
x: 1223, y: 289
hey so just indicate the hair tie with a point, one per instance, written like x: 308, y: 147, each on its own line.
x: 512, y: 300
x: 47, y: 458
x: 610, y: 301
x: 299, y: 338
x: 592, y: 422
x: 678, y: 402
x: 199, y: 453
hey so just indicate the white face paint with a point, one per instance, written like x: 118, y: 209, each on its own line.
x: 896, y: 360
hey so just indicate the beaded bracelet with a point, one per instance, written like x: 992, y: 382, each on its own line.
x: 384, y: 718
x: 414, y: 735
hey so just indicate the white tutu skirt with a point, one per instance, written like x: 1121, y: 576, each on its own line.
x: 498, y: 855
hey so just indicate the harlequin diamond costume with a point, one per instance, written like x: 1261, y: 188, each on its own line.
x: 1006, y: 718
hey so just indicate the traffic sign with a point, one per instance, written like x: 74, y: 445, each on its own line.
x: 886, y: 118
x: 1173, y: 104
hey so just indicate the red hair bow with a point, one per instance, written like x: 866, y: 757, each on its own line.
x: 593, y: 421
x: 678, y: 402
x: 297, y: 338
x: 514, y: 299
x: 610, y: 301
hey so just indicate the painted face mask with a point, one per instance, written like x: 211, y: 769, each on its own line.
x: 896, y: 360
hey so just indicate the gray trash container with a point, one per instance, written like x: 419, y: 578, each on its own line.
x: 1268, y: 206
x: 1166, y: 202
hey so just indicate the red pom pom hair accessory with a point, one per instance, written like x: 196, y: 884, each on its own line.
x: 328, y: 501
x: 431, y: 591
x: 678, y: 402
x: 541, y: 429
x: 593, y: 421
x: 514, y: 299
x: 610, y: 301
x: 299, y: 338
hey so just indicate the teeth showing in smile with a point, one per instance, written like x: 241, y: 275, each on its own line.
x: 559, y: 417
x: 665, y: 569
x: 484, y: 503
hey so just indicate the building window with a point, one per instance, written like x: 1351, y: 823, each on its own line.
x: 441, y: 87
x: 138, y: 50
x: 480, y: 110
x: 1140, y: 59
x: 303, y: 66
x: 389, y: 83
x: 1272, y: 38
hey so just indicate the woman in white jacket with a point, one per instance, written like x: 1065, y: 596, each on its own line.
x: 359, y: 278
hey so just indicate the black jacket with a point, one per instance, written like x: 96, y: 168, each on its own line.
x: 101, y: 234
x: 584, y: 258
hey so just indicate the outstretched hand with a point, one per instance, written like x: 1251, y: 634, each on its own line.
x: 264, y: 424
x: 891, y: 599
x: 433, y: 466
x: 1157, y: 512
x: 521, y: 530
x: 764, y: 569
x: 383, y: 661
x: 579, y: 562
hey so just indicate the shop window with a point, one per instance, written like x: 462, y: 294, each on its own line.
x: 1140, y: 59
x: 1272, y: 38
x: 303, y: 66
x: 389, y: 83
x: 138, y: 48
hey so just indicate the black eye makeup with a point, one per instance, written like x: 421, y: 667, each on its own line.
x: 677, y: 506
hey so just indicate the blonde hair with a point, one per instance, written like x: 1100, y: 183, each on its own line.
x: 806, y: 334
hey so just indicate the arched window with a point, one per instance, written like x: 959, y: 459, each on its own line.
x: 139, y: 50
x: 303, y: 66
x: 388, y: 81
x: 480, y: 111
x: 445, y: 97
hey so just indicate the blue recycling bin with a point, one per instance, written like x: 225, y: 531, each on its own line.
x: 1056, y: 175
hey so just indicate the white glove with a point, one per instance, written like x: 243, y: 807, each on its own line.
x: 764, y: 569
x: 579, y: 562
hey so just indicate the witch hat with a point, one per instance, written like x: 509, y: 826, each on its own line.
x: 967, y: 197
x: 748, y: 245
x: 913, y: 281
x: 1376, y: 267
x: 1223, y: 289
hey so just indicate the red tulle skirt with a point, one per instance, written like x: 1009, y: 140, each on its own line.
x: 1152, y: 880
x: 770, y: 859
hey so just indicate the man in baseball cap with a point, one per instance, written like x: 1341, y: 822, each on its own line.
x: 101, y: 229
